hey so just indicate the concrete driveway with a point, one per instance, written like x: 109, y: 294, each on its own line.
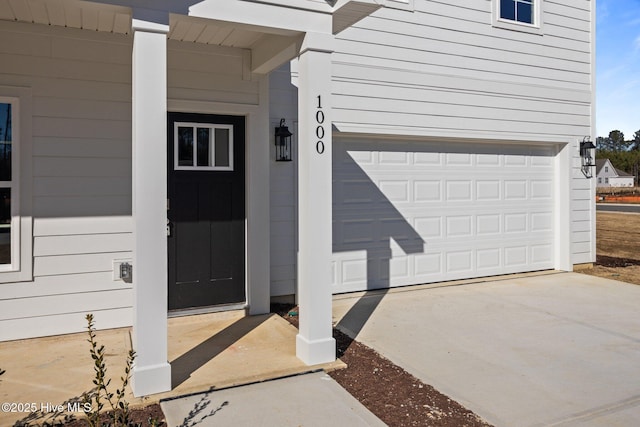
x: 559, y: 349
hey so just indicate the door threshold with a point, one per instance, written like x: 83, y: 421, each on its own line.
x: 206, y: 310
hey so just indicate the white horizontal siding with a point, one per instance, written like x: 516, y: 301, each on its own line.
x: 445, y: 70
x: 78, y: 225
x: 13, y: 329
x: 63, y: 285
x: 82, y: 168
x: 81, y: 128
x: 209, y: 73
x: 283, y: 103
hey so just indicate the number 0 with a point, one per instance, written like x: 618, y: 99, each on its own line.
x: 320, y: 147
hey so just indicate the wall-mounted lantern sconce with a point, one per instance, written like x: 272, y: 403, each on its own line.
x: 586, y: 156
x: 283, y: 143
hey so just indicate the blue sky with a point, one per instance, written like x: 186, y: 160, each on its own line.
x: 618, y: 66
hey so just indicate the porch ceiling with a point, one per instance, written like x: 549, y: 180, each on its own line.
x: 220, y: 33
x: 271, y: 45
x: 68, y: 13
x: 117, y: 19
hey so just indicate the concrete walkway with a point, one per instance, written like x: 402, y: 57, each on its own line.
x: 313, y: 399
x: 206, y: 351
x: 561, y: 349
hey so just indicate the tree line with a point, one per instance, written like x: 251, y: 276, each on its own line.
x: 623, y: 154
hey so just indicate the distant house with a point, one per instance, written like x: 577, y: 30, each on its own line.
x: 609, y: 176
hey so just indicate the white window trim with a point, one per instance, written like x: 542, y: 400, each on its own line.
x: 21, y: 267
x: 201, y: 125
x: 507, y: 24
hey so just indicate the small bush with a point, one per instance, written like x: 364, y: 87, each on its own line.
x: 100, y: 396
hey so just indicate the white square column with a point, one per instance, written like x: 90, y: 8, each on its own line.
x: 152, y: 371
x: 314, y: 342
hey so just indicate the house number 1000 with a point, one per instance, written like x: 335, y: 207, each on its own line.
x: 320, y: 128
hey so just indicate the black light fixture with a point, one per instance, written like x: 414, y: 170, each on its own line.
x: 586, y: 157
x: 283, y: 143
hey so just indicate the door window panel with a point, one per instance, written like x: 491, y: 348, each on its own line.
x: 222, y: 147
x: 204, y: 147
x: 185, y: 146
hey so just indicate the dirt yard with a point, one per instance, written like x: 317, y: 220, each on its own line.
x: 617, y: 247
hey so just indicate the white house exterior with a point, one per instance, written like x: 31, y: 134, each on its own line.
x: 432, y: 141
x: 608, y: 176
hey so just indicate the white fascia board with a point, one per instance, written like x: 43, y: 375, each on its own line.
x: 348, y: 13
x: 264, y: 15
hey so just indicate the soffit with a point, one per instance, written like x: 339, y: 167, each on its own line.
x: 68, y: 13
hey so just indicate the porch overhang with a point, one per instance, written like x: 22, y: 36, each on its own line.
x: 274, y: 32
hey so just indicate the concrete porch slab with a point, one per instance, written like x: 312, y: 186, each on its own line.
x: 206, y: 351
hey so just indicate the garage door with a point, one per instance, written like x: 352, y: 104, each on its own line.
x: 416, y: 212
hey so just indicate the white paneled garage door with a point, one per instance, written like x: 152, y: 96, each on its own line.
x: 417, y: 212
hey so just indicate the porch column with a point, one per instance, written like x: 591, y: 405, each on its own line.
x: 315, y: 343
x: 151, y: 372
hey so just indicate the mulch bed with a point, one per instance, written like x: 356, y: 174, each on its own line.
x: 608, y: 261
x: 148, y: 416
x: 388, y: 391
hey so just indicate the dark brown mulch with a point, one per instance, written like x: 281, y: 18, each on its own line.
x: 609, y: 261
x: 148, y: 416
x: 391, y: 393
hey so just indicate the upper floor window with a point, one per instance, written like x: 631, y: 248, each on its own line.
x: 518, y: 15
x: 518, y: 10
x: 606, y: 168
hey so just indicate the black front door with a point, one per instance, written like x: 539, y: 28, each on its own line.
x: 206, y: 210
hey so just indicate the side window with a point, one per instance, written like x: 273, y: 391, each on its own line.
x: 599, y: 180
x: 518, y: 10
x: 203, y: 146
x: 518, y: 15
x: 16, y: 225
x: 8, y: 185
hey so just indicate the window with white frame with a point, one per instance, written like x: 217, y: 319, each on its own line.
x: 517, y: 10
x: 16, y: 224
x: 203, y: 146
x: 521, y: 15
x: 9, y: 225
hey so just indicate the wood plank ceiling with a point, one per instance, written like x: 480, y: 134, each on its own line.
x: 117, y: 19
